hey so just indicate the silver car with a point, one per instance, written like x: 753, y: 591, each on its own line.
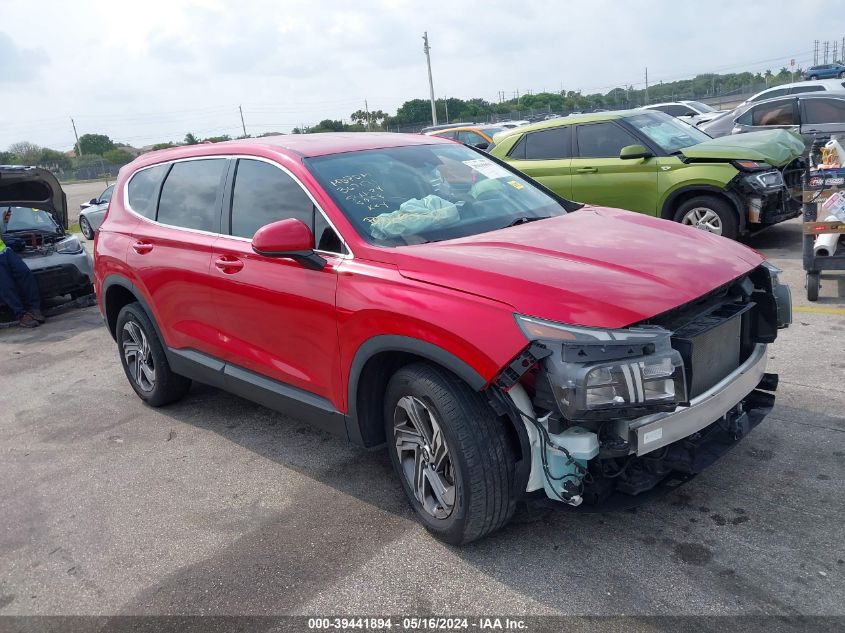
x: 91, y: 216
x: 814, y: 116
x: 33, y: 222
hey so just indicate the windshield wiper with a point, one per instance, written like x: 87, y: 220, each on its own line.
x: 524, y: 219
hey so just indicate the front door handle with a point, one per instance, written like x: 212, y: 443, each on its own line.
x: 587, y: 170
x: 228, y: 265
x: 141, y: 247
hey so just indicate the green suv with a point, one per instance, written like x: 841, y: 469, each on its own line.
x: 650, y: 162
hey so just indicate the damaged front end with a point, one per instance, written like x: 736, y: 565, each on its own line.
x: 610, y: 413
x: 767, y: 195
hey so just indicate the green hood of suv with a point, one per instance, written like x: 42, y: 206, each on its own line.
x: 776, y: 147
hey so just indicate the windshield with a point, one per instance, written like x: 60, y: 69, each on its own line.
x: 26, y: 219
x: 426, y: 193
x: 701, y: 107
x: 668, y: 132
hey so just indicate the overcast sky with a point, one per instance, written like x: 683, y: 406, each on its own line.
x: 162, y: 68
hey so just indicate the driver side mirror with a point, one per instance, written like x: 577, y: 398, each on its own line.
x: 93, y: 201
x: 634, y: 151
x: 290, y: 238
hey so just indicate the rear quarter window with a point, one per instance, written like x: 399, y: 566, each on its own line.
x: 142, y: 190
x: 190, y: 196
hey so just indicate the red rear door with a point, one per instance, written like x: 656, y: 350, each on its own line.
x: 172, y: 253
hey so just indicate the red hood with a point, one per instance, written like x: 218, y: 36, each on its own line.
x: 595, y: 267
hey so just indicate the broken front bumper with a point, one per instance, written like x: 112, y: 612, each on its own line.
x: 655, y: 431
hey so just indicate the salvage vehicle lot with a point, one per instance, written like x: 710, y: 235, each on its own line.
x: 218, y: 506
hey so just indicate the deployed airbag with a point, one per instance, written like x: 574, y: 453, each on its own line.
x: 414, y: 216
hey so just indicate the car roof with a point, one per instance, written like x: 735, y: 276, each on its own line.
x: 302, y: 145
x: 665, y: 103
x: 457, y: 128
x: 572, y: 119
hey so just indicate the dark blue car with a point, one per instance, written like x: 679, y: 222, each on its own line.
x: 825, y: 71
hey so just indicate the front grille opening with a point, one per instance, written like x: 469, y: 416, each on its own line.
x: 712, y: 346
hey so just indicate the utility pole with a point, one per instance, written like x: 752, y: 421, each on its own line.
x: 815, y: 52
x: 367, y: 110
x: 78, y: 146
x: 835, y: 44
x: 426, y: 49
x: 446, y: 105
x: 826, y: 50
x: 646, y: 85
x: 243, y: 125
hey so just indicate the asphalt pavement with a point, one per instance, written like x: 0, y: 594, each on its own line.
x: 219, y: 506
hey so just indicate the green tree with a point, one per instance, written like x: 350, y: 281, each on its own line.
x: 96, y: 144
x: 53, y: 160
x: 158, y: 146
x: 217, y: 139
x: 7, y: 158
x: 190, y: 139
x: 118, y: 156
x: 26, y: 152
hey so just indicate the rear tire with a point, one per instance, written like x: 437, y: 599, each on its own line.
x: 711, y: 214
x: 842, y: 75
x: 813, y: 77
x: 444, y: 435
x: 85, y: 228
x: 143, y: 359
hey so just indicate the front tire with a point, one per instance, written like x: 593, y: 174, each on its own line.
x: 710, y: 214
x: 813, y: 77
x: 143, y: 359
x: 85, y: 227
x: 451, y: 452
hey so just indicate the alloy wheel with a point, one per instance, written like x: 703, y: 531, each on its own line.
x: 139, y: 359
x: 85, y: 227
x: 424, y: 456
x: 704, y: 219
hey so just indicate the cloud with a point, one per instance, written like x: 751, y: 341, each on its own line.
x: 19, y: 64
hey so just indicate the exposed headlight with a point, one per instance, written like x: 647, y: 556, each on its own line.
x: 765, y: 180
x: 633, y: 369
x: 69, y: 245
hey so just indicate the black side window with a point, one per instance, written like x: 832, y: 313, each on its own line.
x: 774, y: 113
x: 548, y: 144
x: 602, y: 140
x: 807, y: 88
x: 518, y: 151
x: 191, y: 193
x: 106, y: 195
x: 265, y: 194
x: 143, y: 190
x: 679, y: 110
x: 824, y: 111
x: 325, y: 236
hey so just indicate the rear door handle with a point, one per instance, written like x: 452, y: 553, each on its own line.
x: 587, y: 170
x: 141, y: 247
x: 228, y: 265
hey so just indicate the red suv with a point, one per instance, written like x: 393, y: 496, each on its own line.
x: 506, y: 344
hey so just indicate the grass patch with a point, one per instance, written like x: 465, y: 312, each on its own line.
x: 74, y: 228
